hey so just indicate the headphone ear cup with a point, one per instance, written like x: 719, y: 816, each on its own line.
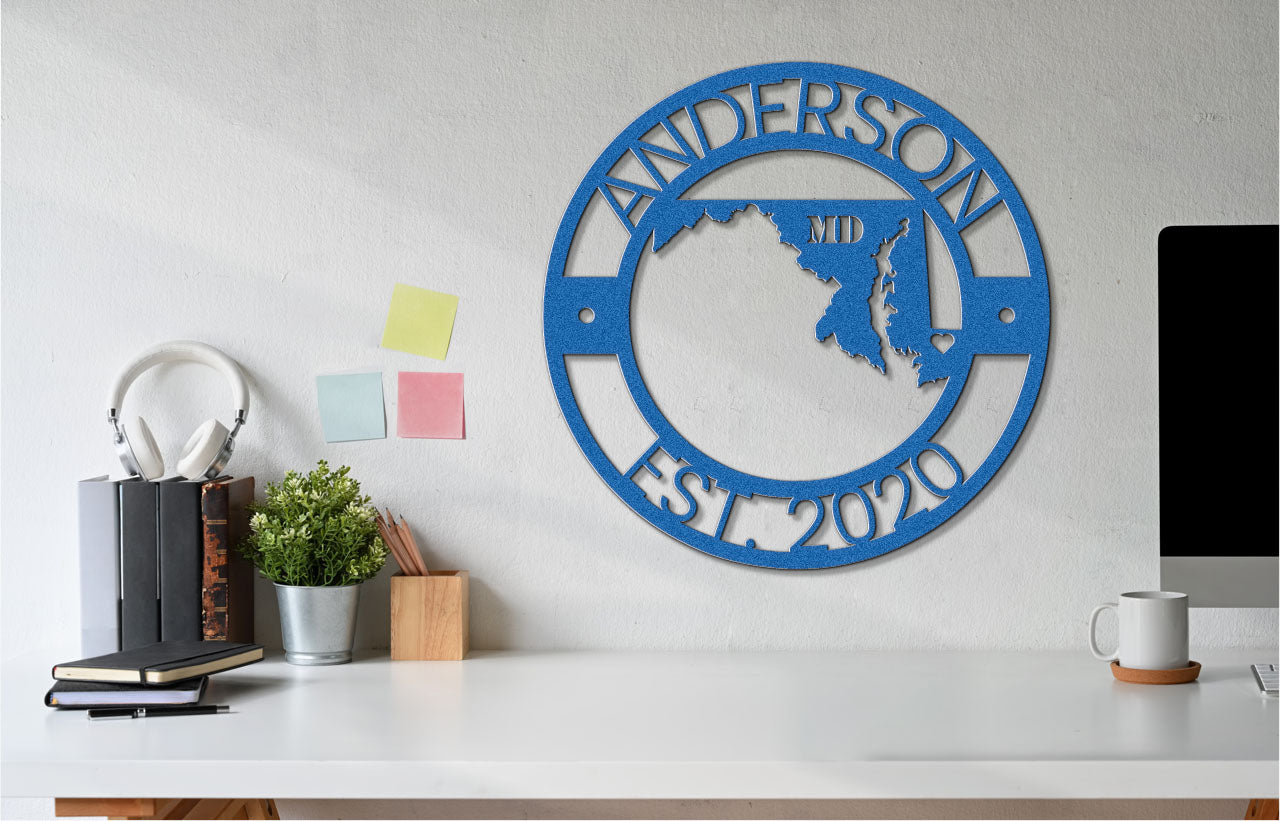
x: 202, y: 449
x: 145, y: 450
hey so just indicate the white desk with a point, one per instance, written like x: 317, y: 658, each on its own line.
x: 667, y: 725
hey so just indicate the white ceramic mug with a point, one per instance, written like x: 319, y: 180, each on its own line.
x: 1153, y: 631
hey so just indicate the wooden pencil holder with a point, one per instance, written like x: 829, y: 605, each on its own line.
x: 430, y: 617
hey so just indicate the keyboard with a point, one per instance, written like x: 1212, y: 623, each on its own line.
x: 1268, y: 678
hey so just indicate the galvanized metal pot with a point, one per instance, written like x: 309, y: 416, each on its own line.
x: 318, y: 624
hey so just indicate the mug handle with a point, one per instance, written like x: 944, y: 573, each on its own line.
x: 1093, y: 633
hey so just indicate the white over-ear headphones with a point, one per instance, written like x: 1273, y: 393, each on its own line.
x: 209, y: 448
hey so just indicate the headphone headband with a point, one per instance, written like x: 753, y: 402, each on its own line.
x: 181, y: 351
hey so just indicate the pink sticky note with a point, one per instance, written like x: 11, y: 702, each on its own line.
x: 429, y: 406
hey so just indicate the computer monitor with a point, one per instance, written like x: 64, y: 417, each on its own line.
x: 1218, y: 413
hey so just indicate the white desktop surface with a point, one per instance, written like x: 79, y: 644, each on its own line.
x: 607, y: 725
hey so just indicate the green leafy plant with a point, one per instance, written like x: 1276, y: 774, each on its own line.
x: 315, y: 531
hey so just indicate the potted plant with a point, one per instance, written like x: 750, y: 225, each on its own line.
x: 316, y: 538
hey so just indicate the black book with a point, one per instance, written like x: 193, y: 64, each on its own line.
x: 161, y: 663
x: 181, y: 550
x: 139, y: 565
x: 83, y: 695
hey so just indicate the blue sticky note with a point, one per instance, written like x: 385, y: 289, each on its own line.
x: 351, y: 406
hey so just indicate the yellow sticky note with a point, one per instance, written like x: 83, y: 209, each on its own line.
x: 420, y: 321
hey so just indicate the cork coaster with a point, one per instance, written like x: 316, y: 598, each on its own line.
x: 1180, y: 676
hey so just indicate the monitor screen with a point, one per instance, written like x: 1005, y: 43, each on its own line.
x: 1218, y: 307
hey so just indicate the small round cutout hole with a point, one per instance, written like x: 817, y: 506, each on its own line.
x: 587, y: 315
x: 1006, y: 315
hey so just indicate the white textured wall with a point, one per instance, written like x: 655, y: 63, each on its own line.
x: 259, y: 175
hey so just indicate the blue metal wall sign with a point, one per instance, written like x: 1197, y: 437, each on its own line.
x: 1001, y: 314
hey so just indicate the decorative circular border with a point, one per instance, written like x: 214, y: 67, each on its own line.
x: 591, y: 314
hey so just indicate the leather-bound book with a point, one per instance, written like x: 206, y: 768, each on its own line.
x: 227, y: 583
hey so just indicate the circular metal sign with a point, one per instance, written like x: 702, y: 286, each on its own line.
x: 873, y: 249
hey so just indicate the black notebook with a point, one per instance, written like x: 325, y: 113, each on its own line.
x: 161, y: 663
x: 82, y: 695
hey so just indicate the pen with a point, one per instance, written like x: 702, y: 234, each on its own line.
x: 145, y: 712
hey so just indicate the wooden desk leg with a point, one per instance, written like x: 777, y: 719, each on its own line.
x: 261, y: 808
x: 110, y: 807
x: 1260, y: 808
x: 146, y: 809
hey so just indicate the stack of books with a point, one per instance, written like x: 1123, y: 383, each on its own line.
x: 164, y: 673
x: 158, y: 562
